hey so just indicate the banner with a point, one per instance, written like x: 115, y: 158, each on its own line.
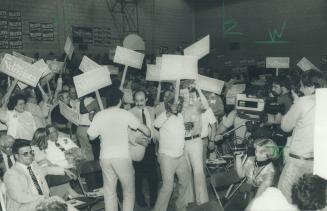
x: 210, y: 84
x: 152, y: 73
x: 305, y: 65
x: 69, y: 48
x: 320, y: 134
x: 55, y: 66
x: 277, y: 62
x: 176, y: 67
x: 199, y: 49
x: 70, y: 114
x: 23, y: 57
x: 21, y: 70
x: 88, y: 64
x: 91, y: 81
x: 128, y: 57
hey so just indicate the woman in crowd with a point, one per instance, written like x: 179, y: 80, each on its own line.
x: 20, y: 123
x: 35, y: 109
x: 259, y: 169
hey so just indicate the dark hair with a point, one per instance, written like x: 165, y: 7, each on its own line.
x: 14, y: 99
x: 114, y: 96
x: 282, y: 81
x: 40, y: 138
x: 313, y: 78
x: 196, y: 91
x: 309, y: 193
x: 20, y: 143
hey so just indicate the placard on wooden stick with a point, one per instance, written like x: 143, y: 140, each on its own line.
x: 277, y: 63
x: 210, y: 84
x: 88, y: 64
x: 91, y: 81
x: 306, y: 65
x: 70, y: 114
x: 21, y: 70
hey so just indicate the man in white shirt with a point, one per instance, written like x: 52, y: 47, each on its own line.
x: 172, y: 159
x: 25, y: 181
x: 6, y: 143
x: 112, y: 126
x: 209, y: 125
x: 300, y: 119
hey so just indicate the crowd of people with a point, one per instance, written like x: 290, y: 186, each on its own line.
x: 154, y: 140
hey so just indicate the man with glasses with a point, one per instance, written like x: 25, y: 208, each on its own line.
x: 25, y: 180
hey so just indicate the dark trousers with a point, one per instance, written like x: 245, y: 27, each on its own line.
x: 147, y: 169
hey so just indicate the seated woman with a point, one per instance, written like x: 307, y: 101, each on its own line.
x: 258, y: 170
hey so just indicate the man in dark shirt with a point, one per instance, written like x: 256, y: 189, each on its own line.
x: 57, y: 119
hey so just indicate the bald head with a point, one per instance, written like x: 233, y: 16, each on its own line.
x: 6, y: 142
x: 140, y: 99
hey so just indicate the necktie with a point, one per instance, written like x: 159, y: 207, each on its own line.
x: 9, y: 161
x: 36, y: 183
x: 143, y: 117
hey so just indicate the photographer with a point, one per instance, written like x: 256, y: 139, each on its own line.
x: 281, y: 92
x: 300, y: 119
x: 259, y: 169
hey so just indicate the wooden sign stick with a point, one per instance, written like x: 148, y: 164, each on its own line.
x: 99, y: 99
x: 65, y: 63
x: 177, y: 90
x: 276, y: 71
x: 123, y: 78
x: 158, y: 92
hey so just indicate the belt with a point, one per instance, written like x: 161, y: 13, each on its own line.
x: 192, y: 137
x: 299, y: 157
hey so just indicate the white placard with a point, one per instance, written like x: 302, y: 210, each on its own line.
x: 20, y: 70
x: 88, y: 64
x: 55, y: 66
x: 233, y: 92
x: 21, y: 85
x: 42, y: 67
x: 210, y: 84
x: 114, y: 70
x: 277, y: 62
x: 70, y: 114
x: 176, y: 67
x: 69, y: 48
x: 320, y: 134
x: 23, y: 57
x: 91, y: 81
x: 305, y: 65
x: 152, y: 73
x: 128, y: 57
x: 200, y: 48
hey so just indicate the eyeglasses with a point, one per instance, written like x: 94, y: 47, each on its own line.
x: 25, y: 154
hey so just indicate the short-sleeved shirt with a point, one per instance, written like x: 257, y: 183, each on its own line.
x: 172, y: 133
x: 300, y: 118
x: 208, y: 118
x: 112, y: 126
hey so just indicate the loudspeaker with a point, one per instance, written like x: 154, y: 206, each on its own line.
x: 209, y: 206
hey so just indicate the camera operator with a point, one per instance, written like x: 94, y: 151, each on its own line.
x: 300, y: 119
x: 259, y: 169
x: 281, y: 92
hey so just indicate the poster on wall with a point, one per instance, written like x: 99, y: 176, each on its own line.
x: 101, y: 36
x: 47, y: 31
x: 35, y: 31
x: 10, y: 29
x: 82, y: 35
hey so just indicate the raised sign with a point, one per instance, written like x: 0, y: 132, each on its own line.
x: 200, y: 48
x: 176, y: 67
x: 128, y: 57
x: 277, y: 62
